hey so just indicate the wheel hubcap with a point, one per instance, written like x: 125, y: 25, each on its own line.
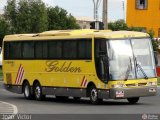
x: 37, y: 91
x: 26, y: 91
x: 94, y: 94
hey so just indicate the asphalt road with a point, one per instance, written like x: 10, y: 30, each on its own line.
x: 51, y: 105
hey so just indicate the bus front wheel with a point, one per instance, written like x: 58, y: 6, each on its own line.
x: 133, y: 100
x: 93, y: 95
x: 38, y: 92
x: 27, y: 91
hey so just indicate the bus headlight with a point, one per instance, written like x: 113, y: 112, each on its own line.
x: 152, y: 83
x: 117, y: 85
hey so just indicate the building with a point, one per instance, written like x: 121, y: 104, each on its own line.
x: 145, y: 14
x: 84, y: 22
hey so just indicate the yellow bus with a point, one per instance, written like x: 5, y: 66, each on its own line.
x: 98, y: 64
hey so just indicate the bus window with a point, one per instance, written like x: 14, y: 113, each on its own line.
x: 84, y: 49
x: 15, y: 50
x: 69, y: 49
x: 28, y: 50
x: 55, y: 49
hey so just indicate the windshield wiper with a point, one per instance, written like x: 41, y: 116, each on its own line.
x: 140, y: 67
x: 129, y: 68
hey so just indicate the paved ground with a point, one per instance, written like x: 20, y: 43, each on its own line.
x: 7, y: 108
x: 53, y: 106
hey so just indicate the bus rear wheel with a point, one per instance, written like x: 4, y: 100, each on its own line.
x: 93, y: 95
x: 38, y: 92
x: 133, y: 100
x: 27, y: 91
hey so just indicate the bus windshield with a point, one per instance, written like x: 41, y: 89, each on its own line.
x: 130, y: 59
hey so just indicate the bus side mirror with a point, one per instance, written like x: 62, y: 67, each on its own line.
x: 156, y: 58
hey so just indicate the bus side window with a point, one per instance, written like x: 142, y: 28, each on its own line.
x: 15, y: 50
x: 85, y: 49
x: 70, y: 49
x: 28, y: 50
x: 38, y: 50
x: 6, y: 51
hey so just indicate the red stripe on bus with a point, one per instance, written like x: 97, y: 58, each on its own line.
x: 17, y: 74
x: 21, y: 76
x: 85, y: 83
x: 82, y: 80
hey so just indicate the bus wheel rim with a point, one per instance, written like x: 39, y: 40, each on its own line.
x: 38, y: 92
x: 94, y: 94
x: 26, y: 91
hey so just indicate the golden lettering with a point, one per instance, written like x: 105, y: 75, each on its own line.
x: 65, y: 67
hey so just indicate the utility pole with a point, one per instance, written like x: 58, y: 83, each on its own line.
x: 96, y: 6
x: 123, y: 7
x: 105, y: 14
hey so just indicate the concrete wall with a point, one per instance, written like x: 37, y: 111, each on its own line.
x: 148, y: 18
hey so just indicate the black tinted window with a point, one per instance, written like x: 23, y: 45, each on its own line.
x: 15, y: 50
x: 85, y: 49
x: 55, y: 49
x: 28, y: 50
x: 70, y: 49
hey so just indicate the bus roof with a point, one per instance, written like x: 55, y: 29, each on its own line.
x: 84, y: 33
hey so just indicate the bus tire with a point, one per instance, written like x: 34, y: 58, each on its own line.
x: 38, y: 92
x: 27, y: 91
x: 93, y: 95
x: 133, y: 100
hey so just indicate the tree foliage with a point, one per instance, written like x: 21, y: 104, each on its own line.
x: 10, y: 13
x: 117, y: 25
x: 121, y: 25
x: 4, y: 28
x: 33, y: 16
x: 59, y: 19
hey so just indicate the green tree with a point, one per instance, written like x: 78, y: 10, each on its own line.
x: 71, y: 23
x: 4, y: 29
x: 27, y: 16
x: 23, y: 17
x: 10, y: 14
x: 154, y: 43
x: 118, y: 25
x: 121, y: 25
x: 39, y: 18
x: 58, y: 19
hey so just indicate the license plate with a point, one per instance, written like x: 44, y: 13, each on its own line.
x: 119, y: 93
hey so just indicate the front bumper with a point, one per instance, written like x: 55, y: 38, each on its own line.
x: 117, y: 93
x: 13, y: 88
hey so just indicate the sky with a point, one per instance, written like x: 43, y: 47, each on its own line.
x: 84, y: 8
